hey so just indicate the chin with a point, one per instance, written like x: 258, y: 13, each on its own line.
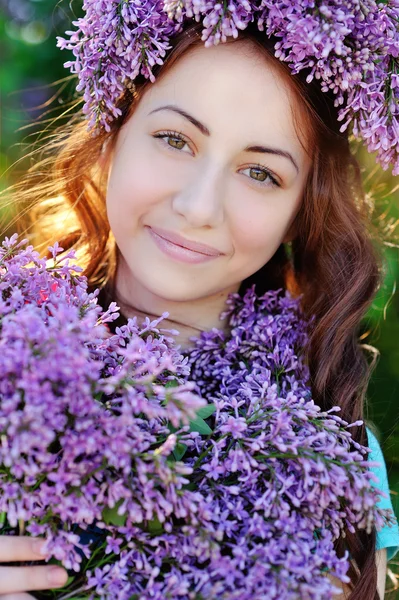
x: 173, y: 291
x: 180, y: 289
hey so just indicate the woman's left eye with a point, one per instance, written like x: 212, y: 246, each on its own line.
x: 263, y: 177
x: 177, y: 140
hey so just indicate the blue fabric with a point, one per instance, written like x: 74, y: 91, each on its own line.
x: 387, y: 537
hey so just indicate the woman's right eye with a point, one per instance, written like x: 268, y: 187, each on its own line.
x: 172, y: 139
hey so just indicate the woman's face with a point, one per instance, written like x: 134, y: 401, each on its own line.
x: 206, y: 177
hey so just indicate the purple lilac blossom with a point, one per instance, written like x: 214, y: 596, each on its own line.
x: 105, y: 431
x: 350, y: 46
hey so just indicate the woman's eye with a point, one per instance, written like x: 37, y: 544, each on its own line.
x: 262, y: 177
x: 172, y: 139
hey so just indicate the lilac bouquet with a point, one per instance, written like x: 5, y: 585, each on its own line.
x: 143, y: 489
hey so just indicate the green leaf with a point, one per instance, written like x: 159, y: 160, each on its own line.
x: 155, y: 526
x: 190, y: 486
x: 206, y: 411
x: 179, y: 451
x: 200, y: 426
x: 111, y: 517
x: 172, y: 384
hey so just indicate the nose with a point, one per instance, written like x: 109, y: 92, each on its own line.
x: 201, y: 201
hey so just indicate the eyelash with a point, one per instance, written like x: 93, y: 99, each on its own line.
x: 178, y: 135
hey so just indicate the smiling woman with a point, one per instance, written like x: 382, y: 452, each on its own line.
x: 227, y: 171
x: 192, y: 170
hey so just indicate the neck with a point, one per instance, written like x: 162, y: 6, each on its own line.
x: 189, y: 317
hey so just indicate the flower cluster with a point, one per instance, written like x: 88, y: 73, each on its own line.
x: 141, y: 488
x: 351, y: 46
x: 84, y: 416
x: 114, y: 43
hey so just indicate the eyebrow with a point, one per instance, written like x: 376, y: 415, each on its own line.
x: 205, y: 131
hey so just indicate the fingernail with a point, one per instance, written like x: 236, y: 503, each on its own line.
x: 37, y: 546
x: 57, y: 576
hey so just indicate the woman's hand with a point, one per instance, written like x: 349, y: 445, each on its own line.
x: 15, y: 581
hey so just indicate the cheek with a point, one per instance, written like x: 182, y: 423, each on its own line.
x: 134, y: 186
x: 259, y: 229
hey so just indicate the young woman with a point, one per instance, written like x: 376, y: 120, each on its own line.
x: 227, y: 171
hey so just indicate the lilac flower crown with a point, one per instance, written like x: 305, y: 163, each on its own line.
x: 351, y: 46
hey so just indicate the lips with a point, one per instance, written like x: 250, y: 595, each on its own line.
x: 177, y: 239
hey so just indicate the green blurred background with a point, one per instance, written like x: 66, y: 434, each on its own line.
x: 35, y: 87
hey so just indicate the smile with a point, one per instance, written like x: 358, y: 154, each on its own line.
x: 171, y: 245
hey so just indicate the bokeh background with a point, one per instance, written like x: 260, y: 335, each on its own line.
x: 35, y: 88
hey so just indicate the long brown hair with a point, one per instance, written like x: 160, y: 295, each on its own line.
x: 332, y: 260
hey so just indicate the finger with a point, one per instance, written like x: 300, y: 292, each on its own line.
x: 21, y: 596
x: 20, y: 579
x: 20, y: 547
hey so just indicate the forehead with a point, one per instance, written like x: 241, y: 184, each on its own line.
x: 235, y: 90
